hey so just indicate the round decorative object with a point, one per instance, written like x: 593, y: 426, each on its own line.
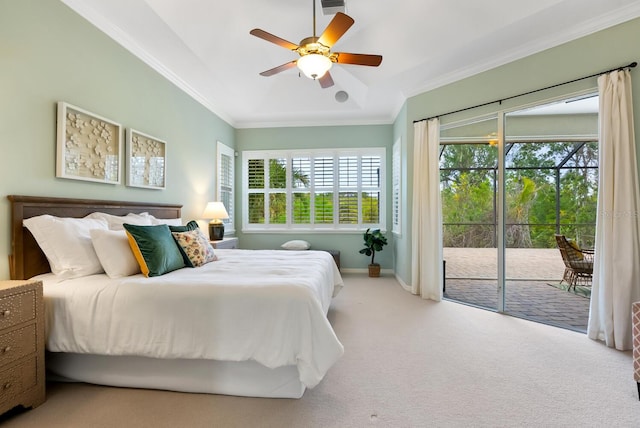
x: 341, y: 96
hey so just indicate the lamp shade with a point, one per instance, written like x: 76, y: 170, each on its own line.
x: 215, y: 211
x: 314, y: 66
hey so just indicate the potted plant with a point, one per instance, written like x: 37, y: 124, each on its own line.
x: 374, y: 241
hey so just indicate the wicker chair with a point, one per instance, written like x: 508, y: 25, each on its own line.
x: 578, y: 263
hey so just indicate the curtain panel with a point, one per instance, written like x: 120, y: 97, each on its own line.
x: 616, y: 270
x: 426, y: 259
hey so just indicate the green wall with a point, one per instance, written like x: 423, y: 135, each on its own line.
x: 48, y: 53
x: 349, y: 243
x: 601, y: 51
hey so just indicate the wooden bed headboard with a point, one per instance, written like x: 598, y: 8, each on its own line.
x: 27, y: 260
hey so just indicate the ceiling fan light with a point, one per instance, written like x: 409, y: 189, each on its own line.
x: 314, y: 66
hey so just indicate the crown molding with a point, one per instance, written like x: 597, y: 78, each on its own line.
x: 122, y: 38
x: 591, y: 26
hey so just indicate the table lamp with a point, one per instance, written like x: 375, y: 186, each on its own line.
x: 216, y: 212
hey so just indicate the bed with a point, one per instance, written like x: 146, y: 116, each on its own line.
x: 252, y: 323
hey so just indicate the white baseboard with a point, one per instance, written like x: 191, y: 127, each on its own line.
x: 403, y: 284
x: 359, y: 270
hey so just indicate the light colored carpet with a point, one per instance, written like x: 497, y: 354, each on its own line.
x: 407, y: 363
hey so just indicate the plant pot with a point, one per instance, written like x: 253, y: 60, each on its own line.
x: 374, y: 270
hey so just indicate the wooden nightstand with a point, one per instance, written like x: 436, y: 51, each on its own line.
x: 226, y: 243
x: 22, y: 377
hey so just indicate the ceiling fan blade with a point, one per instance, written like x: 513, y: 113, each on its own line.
x: 358, y: 59
x: 278, y: 69
x: 273, y: 39
x: 326, y: 81
x: 336, y: 28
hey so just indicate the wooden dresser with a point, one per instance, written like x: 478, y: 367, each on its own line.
x: 22, y: 376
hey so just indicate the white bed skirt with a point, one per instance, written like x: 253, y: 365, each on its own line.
x: 245, y: 378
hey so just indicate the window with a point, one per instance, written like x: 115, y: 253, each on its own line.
x: 340, y: 189
x: 396, y: 206
x: 225, y: 183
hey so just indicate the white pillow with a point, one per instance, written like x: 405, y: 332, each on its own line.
x: 167, y: 221
x: 66, y: 243
x: 114, y: 252
x: 116, y: 221
x: 296, y: 244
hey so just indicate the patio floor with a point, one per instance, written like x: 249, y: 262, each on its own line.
x: 470, y: 278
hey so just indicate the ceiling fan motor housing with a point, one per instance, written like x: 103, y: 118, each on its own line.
x: 310, y: 45
x: 331, y: 7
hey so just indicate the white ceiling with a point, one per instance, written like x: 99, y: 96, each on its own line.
x: 205, y: 48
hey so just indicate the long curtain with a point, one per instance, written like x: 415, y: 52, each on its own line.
x: 426, y: 260
x: 616, y: 270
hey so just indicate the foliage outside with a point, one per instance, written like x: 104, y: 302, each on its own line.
x: 468, y: 174
x: 301, y: 201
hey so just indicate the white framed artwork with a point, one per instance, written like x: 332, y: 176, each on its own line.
x: 88, y: 146
x: 146, y: 160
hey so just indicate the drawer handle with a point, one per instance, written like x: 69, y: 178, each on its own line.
x: 6, y: 313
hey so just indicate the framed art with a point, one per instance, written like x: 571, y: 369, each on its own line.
x: 88, y: 146
x: 146, y: 160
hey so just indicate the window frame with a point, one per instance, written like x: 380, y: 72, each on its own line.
x: 396, y: 188
x: 221, y: 151
x: 313, y: 188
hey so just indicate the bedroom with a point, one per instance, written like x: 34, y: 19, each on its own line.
x: 114, y: 83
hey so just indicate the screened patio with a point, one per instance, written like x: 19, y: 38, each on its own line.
x: 547, y: 170
x: 531, y: 274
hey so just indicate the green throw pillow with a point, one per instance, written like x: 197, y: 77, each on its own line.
x: 154, y: 248
x: 192, y: 225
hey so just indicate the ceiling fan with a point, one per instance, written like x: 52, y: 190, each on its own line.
x: 315, y: 53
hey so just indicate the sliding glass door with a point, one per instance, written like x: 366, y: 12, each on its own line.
x: 469, y: 155
x: 551, y: 178
x: 505, y: 197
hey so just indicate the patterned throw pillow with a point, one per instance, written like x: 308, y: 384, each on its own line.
x: 195, y: 246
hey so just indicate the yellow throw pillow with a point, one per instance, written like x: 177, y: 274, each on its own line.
x: 576, y: 247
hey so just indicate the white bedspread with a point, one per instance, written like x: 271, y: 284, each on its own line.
x: 267, y: 306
